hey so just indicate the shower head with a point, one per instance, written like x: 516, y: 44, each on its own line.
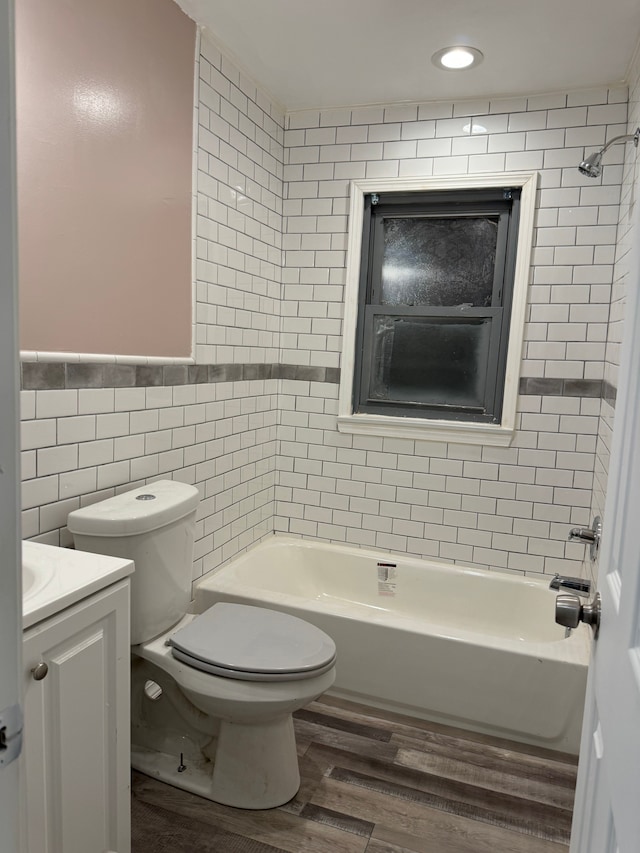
x: 592, y: 165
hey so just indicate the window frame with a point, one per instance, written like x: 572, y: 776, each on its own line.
x: 433, y: 428
x: 454, y: 204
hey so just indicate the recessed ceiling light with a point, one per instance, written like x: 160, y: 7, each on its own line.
x: 457, y: 58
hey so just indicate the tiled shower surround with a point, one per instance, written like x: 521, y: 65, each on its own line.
x: 253, y: 422
x: 508, y: 508
x: 629, y: 193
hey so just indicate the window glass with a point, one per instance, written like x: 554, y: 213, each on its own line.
x: 432, y: 361
x: 439, y: 261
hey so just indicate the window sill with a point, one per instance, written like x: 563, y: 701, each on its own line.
x: 426, y: 430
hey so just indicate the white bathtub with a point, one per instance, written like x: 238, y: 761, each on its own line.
x: 474, y: 649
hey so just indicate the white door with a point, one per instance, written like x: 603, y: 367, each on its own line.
x: 607, y: 810
x: 10, y: 607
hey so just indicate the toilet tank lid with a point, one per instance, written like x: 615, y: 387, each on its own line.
x: 137, y: 511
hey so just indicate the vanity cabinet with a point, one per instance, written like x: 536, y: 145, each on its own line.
x: 75, y: 762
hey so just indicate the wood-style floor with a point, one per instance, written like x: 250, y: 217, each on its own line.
x: 377, y: 782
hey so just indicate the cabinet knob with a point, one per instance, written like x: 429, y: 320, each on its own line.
x: 40, y: 671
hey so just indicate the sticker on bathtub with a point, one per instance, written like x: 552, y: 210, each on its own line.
x: 386, y: 578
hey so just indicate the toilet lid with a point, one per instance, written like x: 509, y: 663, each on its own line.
x: 253, y: 643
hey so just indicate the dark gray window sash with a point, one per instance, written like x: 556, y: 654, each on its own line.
x: 370, y: 288
x: 375, y: 256
x: 434, y: 410
x: 510, y: 248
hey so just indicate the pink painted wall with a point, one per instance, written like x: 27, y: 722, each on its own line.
x: 104, y: 121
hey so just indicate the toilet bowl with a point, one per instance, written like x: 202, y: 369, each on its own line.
x: 212, y: 694
x: 255, y: 764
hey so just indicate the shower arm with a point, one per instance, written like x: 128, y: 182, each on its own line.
x: 625, y: 137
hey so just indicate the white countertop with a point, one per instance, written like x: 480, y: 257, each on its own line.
x: 55, y: 578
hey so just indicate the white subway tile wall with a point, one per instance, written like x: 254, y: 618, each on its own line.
x: 220, y: 437
x: 270, y: 242
x: 615, y: 327
x: 491, y: 507
x: 239, y: 216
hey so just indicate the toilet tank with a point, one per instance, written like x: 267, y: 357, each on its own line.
x: 154, y: 526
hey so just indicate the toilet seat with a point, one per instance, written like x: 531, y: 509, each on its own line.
x: 248, y: 643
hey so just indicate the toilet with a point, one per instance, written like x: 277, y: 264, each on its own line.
x: 211, y: 694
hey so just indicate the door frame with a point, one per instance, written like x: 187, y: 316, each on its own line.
x: 10, y: 576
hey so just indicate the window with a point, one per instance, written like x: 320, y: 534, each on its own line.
x: 435, y: 296
x: 436, y: 289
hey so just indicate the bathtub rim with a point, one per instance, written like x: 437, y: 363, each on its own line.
x: 574, y: 649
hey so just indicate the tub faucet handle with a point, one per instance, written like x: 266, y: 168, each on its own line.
x: 570, y: 612
x: 588, y: 536
x: 581, y: 534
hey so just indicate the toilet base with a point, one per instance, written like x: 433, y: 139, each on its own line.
x: 255, y: 767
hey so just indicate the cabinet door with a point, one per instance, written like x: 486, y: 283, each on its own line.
x: 76, y: 744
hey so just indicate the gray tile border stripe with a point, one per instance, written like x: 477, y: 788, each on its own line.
x: 609, y: 393
x: 119, y: 375
x: 149, y: 375
x: 543, y: 387
x: 84, y: 375
x: 40, y: 376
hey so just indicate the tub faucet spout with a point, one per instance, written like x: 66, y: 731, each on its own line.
x: 581, y: 586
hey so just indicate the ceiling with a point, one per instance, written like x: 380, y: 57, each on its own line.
x: 330, y: 53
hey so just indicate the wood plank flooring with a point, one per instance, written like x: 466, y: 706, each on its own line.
x: 378, y: 782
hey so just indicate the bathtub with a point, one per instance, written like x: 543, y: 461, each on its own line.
x: 469, y: 648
